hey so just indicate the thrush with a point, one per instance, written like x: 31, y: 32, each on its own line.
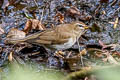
x: 61, y: 37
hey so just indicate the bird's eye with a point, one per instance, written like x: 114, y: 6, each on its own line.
x: 80, y: 25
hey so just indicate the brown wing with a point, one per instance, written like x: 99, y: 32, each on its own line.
x: 58, y: 35
x: 51, y: 37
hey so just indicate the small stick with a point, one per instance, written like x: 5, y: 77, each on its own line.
x: 116, y: 10
x: 39, y: 10
x: 42, y: 15
x: 113, y: 2
x: 81, y: 58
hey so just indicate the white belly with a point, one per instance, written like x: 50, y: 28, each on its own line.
x: 67, y: 45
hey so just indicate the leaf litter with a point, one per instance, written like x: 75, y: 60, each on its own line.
x: 69, y: 11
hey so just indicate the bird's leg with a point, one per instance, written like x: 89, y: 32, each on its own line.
x: 81, y: 58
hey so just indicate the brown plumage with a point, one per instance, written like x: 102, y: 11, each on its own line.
x: 61, y: 37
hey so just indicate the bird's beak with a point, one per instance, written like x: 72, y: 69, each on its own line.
x: 86, y: 27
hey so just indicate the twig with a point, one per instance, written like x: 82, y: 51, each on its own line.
x: 4, y: 59
x: 116, y: 10
x: 113, y: 2
x: 42, y: 15
x: 39, y: 10
x: 69, y: 54
x: 81, y: 58
x: 110, y: 58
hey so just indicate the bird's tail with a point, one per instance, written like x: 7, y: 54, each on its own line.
x: 29, y: 37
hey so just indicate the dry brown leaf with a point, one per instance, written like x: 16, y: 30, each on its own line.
x: 59, y: 54
x: 86, y: 18
x: 60, y: 17
x: 40, y: 26
x: 116, y: 53
x: 103, y: 12
x: 1, y: 30
x: 28, y: 26
x: 83, y: 52
x: 10, y: 57
x: 33, y: 24
x: 15, y: 34
x: 98, y: 54
x: 75, y: 13
x: 104, y: 1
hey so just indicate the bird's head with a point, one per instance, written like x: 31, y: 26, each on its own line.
x: 79, y: 27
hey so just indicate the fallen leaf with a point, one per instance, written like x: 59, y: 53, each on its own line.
x: 75, y: 13
x: 15, y: 34
x: 60, y: 54
x: 60, y: 17
x: 33, y: 24
x: 103, y: 12
x: 28, y: 26
x: 83, y: 52
x: 1, y: 30
x: 116, y: 53
x: 98, y: 54
x: 36, y: 24
x: 86, y: 18
x: 104, y: 1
